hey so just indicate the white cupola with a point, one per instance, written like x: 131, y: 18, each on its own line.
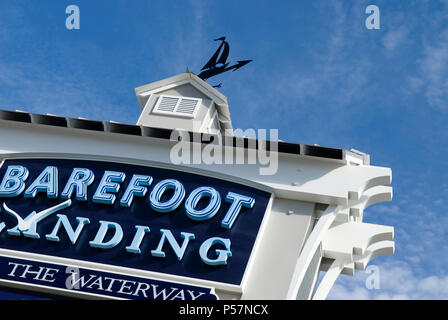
x: 184, y: 102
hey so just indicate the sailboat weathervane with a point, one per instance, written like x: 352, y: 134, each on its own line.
x: 211, y: 68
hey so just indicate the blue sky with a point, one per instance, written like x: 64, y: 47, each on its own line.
x: 318, y: 75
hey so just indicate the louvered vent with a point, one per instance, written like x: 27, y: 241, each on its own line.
x: 167, y: 104
x: 177, y: 106
x: 187, y: 106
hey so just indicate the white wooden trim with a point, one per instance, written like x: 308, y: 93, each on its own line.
x: 328, y: 280
x: 214, y: 116
x: 310, y: 247
x: 209, y: 110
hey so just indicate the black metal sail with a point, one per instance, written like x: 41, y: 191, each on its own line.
x: 222, y: 59
x: 220, y: 56
x: 225, y: 53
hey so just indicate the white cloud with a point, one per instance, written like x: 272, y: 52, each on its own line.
x: 415, y: 83
x: 186, y: 49
x: 31, y: 88
x: 56, y: 88
x: 394, y: 38
x: 417, y: 270
x: 397, y: 281
x: 340, y: 292
x: 433, y: 69
x: 389, y: 209
x: 333, y: 87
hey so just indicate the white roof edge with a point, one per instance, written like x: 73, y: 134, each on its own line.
x: 180, y: 77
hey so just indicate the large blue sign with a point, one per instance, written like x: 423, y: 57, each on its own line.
x: 139, y: 217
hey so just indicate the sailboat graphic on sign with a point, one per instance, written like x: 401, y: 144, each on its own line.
x: 218, y: 62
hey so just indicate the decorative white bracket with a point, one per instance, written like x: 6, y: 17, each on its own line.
x: 351, y: 243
